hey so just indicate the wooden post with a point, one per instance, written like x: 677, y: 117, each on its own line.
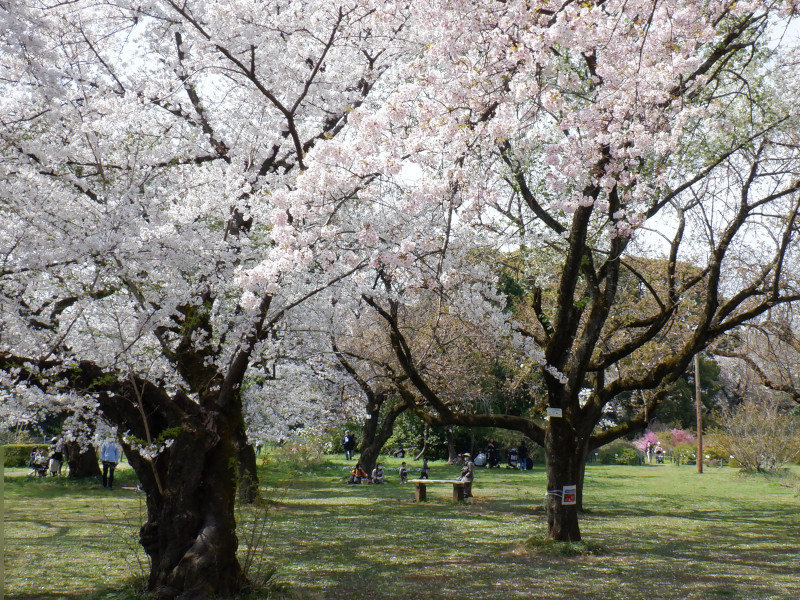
x: 699, y: 406
x: 458, y: 491
x: 420, y: 492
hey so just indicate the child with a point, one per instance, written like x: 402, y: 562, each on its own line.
x: 403, y: 472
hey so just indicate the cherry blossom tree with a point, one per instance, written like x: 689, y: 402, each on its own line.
x: 379, y: 381
x: 587, y: 137
x: 141, y: 144
x: 178, y: 177
x: 765, y: 353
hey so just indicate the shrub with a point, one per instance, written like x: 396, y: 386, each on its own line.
x: 685, y: 454
x: 759, y: 435
x: 681, y: 437
x: 627, y: 456
x: 19, y: 455
x: 714, y: 453
x: 618, y: 452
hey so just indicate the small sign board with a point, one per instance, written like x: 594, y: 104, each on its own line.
x: 570, y: 494
x: 554, y: 412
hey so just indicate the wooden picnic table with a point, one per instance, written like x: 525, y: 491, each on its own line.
x: 420, y: 485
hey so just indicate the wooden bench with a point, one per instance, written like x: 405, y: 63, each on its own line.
x: 420, y: 485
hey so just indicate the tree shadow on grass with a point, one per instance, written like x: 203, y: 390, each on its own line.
x: 102, y: 594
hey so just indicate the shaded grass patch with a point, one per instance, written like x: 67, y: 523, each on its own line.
x: 651, y: 532
x: 539, y: 544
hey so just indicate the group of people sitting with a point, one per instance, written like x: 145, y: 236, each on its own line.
x: 378, y: 475
x: 43, y: 463
x: 517, y: 458
x: 359, y: 475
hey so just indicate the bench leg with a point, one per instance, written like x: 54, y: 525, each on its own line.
x: 458, y: 492
x: 420, y: 492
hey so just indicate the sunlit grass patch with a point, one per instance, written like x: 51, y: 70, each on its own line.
x: 662, y: 532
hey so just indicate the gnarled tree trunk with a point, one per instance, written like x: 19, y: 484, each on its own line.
x: 190, y: 532
x: 377, y: 432
x: 190, y: 484
x: 82, y: 462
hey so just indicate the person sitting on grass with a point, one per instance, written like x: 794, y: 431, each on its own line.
x: 357, y: 475
x: 403, y: 470
x: 377, y: 474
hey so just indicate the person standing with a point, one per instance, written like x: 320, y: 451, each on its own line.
x: 523, y: 456
x: 492, y: 454
x: 109, y: 455
x: 403, y: 472
x: 424, y: 473
x: 56, y: 458
x: 349, y: 444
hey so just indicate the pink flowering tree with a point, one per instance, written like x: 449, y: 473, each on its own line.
x: 633, y: 166
x: 649, y: 437
x: 681, y: 436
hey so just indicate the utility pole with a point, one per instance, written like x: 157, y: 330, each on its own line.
x: 699, y: 405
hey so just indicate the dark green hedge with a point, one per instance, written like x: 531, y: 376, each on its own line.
x: 18, y: 455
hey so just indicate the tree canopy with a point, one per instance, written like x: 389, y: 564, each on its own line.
x: 178, y: 178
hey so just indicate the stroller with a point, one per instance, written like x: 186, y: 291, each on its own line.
x: 38, y: 463
x: 513, y: 459
x: 659, y: 456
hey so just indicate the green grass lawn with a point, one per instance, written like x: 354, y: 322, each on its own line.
x: 665, y: 532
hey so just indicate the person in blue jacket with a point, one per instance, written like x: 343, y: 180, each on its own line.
x: 109, y: 456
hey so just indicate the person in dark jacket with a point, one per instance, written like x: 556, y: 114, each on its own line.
x: 349, y: 445
x: 424, y: 472
x: 523, y: 456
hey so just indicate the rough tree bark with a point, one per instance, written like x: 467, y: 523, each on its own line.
x: 82, y: 462
x: 564, y: 467
x: 190, y: 487
x: 377, y: 432
x: 190, y: 534
x: 185, y: 453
